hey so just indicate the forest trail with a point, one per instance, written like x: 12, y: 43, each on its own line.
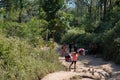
x: 88, y: 68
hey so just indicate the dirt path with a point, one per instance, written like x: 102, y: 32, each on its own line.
x: 88, y: 68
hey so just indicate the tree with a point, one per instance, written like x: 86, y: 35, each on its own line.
x: 51, y: 7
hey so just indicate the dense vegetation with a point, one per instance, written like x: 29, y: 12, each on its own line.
x: 26, y: 26
x: 21, y: 61
x: 98, y: 22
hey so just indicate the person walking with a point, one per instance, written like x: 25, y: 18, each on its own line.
x: 75, y: 47
x: 70, y: 46
x: 74, y: 57
x: 64, y: 49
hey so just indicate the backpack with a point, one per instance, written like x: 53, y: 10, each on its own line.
x: 68, y: 58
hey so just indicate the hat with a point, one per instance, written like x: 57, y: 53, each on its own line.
x: 82, y: 51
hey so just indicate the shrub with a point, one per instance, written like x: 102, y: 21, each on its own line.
x: 111, y: 42
x: 71, y: 35
x: 21, y: 61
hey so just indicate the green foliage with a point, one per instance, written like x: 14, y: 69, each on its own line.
x: 72, y: 35
x: 110, y: 41
x: 20, y: 61
x: 60, y: 24
x: 34, y: 30
x: 2, y: 11
x: 14, y: 29
x: 51, y: 7
x: 42, y: 14
x: 65, y: 18
x: 37, y: 27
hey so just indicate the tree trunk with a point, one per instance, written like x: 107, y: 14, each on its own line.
x: 21, y: 7
x: 110, y: 3
x: 101, y: 11
x: 104, y: 13
x: 90, y: 9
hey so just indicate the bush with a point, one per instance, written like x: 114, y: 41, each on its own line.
x: 71, y: 35
x: 111, y: 42
x: 20, y: 61
x: 34, y: 30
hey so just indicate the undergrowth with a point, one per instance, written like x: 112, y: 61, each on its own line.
x: 21, y: 61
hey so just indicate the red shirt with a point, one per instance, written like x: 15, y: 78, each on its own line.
x: 74, y: 57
